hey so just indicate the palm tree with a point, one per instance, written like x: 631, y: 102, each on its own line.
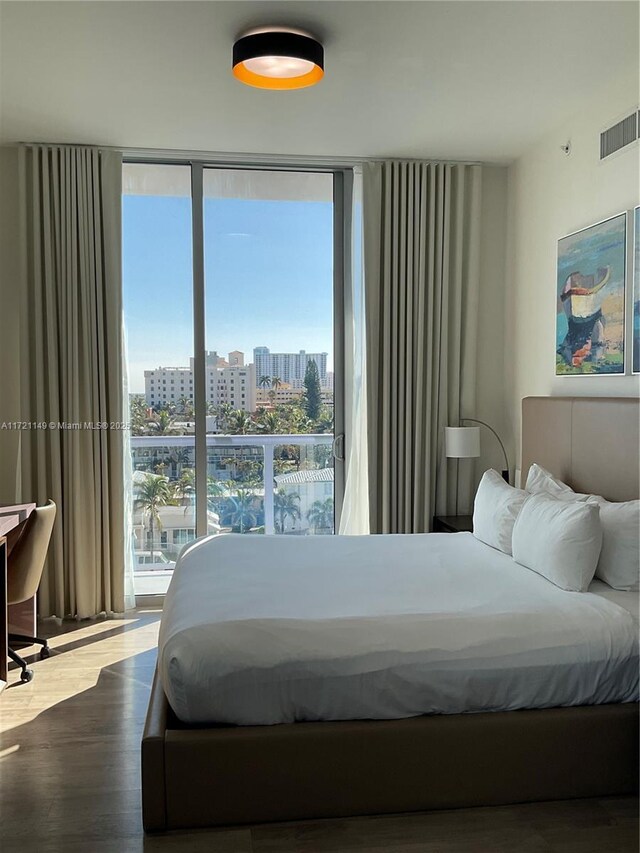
x: 179, y: 457
x: 216, y: 491
x: 185, y: 486
x: 320, y: 515
x: 276, y: 382
x: 223, y: 414
x: 269, y: 422
x: 240, y: 422
x: 285, y: 505
x: 215, y: 488
x: 298, y: 422
x: 154, y: 492
x: 248, y: 470
x: 162, y: 424
x: 264, y: 381
x: 138, y: 410
x: 324, y: 422
x: 242, y: 514
x: 186, y: 407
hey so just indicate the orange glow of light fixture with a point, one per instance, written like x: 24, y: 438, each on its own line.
x: 278, y: 59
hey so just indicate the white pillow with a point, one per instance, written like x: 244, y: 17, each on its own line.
x: 495, y: 510
x: 560, y: 540
x: 540, y: 481
x: 619, y: 563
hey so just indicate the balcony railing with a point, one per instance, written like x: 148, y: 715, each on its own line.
x: 166, y: 447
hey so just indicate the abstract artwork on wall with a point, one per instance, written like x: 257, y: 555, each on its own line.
x: 636, y: 291
x: 591, y: 300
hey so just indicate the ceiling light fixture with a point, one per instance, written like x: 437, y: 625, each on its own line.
x: 278, y: 59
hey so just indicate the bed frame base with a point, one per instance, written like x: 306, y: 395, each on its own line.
x: 198, y: 777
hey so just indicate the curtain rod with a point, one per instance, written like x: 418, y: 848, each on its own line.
x: 247, y: 158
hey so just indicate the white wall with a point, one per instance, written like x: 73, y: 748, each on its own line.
x: 551, y: 194
x: 490, y: 393
x: 9, y: 321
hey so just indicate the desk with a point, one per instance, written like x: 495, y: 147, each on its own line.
x: 10, y: 517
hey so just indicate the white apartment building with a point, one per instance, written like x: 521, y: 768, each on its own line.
x: 177, y: 527
x: 230, y: 382
x: 234, y: 385
x: 288, y: 366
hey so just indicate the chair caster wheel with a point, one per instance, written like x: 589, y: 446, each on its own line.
x: 26, y: 675
x: 45, y: 652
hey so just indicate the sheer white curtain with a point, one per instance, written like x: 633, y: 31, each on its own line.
x: 354, y: 518
x: 127, y: 473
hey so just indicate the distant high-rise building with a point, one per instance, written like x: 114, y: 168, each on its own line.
x: 326, y: 383
x: 288, y: 366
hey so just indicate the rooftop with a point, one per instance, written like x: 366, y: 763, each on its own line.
x: 307, y: 475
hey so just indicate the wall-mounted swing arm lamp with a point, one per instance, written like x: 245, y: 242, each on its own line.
x: 464, y: 442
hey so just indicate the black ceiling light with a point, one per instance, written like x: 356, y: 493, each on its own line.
x: 278, y: 59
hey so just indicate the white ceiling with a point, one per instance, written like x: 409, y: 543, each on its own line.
x: 477, y: 80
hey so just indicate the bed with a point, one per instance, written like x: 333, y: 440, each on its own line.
x: 382, y: 627
x: 321, y: 694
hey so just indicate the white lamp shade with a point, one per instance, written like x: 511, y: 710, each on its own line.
x: 462, y: 442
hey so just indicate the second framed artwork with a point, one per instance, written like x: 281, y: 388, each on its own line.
x: 590, y: 321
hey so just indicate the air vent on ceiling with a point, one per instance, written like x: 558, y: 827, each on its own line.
x: 619, y: 135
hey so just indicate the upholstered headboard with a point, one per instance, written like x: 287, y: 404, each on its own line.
x: 592, y: 443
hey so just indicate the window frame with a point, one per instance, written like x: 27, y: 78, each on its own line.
x: 343, y: 176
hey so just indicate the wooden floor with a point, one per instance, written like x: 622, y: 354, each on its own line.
x: 70, y: 775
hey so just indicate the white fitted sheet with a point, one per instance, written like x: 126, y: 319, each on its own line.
x: 274, y: 629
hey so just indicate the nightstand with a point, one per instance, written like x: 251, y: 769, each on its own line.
x: 453, y: 524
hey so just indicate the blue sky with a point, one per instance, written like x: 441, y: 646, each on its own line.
x: 268, y: 274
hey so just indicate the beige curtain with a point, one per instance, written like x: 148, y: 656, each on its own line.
x: 421, y: 247
x: 71, y: 374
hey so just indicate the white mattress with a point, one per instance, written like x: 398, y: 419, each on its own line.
x: 629, y: 600
x: 274, y: 629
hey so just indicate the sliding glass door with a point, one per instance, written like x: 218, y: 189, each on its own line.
x: 158, y: 313
x: 232, y: 288
x: 268, y: 253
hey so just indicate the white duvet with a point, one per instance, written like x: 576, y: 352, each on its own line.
x: 276, y: 629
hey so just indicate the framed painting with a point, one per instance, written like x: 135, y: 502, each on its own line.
x: 635, y: 344
x: 590, y: 322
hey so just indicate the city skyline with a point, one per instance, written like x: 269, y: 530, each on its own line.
x: 277, y: 256
x: 188, y: 361
x: 235, y: 381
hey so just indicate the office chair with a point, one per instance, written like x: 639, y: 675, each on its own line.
x: 24, y: 571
